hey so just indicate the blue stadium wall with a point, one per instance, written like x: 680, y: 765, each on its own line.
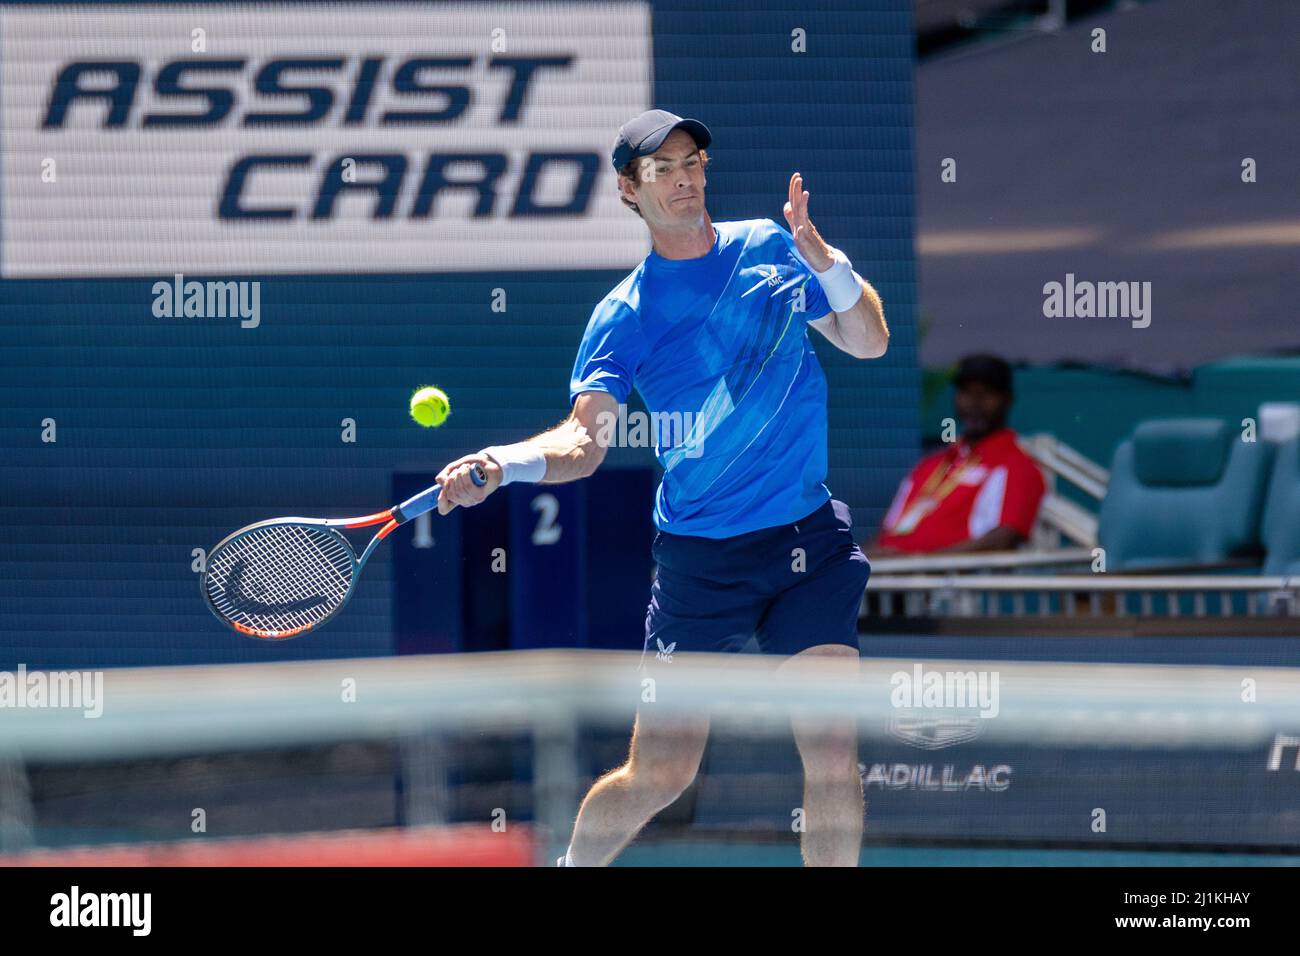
x: 171, y: 432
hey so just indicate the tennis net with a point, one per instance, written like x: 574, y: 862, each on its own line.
x: 484, y: 759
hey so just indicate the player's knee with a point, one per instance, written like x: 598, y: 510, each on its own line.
x: 828, y: 752
x: 665, y: 777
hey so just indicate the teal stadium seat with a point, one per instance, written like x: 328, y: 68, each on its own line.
x: 1280, y: 529
x: 1183, y: 491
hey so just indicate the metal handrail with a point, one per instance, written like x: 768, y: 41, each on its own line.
x: 1082, y: 582
x: 1069, y: 464
x: 958, y: 595
x: 1075, y: 523
x: 979, y: 561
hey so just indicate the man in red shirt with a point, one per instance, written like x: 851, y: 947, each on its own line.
x: 979, y: 494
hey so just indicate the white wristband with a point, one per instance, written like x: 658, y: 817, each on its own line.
x: 521, y: 461
x: 843, y: 286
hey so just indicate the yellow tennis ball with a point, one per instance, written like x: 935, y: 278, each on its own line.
x: 430, y: 406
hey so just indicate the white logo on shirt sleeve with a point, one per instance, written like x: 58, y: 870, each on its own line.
x: 986, y: 512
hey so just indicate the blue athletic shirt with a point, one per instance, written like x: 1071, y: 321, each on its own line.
x: 718, y: 350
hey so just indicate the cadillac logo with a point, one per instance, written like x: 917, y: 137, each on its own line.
x: 934, y: 733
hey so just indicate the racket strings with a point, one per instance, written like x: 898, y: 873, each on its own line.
x: 280, y: 577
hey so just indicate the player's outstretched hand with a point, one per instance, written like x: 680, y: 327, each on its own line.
x: 458, y: 489
x: 806, y: 238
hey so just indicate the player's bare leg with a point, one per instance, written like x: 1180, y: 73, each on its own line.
x: 833, y: 805
x: 663, y: 759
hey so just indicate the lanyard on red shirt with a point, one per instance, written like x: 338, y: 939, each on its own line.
x: 939, y: 484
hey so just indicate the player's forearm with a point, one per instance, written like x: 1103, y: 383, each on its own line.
x: 570, y: 450
x: 861, y: 330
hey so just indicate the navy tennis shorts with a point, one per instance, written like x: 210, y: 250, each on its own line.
x: 794, y: 586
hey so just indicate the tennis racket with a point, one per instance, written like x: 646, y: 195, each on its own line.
x: 279, y: 578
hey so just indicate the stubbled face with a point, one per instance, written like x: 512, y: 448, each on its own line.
x: 982, y: 410
x: 670, y: 188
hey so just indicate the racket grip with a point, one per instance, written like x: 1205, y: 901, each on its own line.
x: 427, y: 500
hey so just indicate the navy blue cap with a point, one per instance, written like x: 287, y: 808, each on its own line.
x: 990, y: 370
x: 646, y: 133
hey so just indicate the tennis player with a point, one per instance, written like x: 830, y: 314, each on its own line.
x: 750, y: 543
